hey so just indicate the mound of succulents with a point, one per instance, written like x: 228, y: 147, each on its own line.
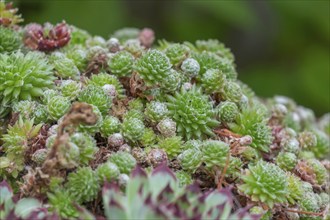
x: 123, y: 128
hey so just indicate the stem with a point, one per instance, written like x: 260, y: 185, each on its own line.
x: 223, y: 173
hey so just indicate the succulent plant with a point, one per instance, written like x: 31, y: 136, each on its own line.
x: 319, y: 170
x: 157, y: 157
x: 9, y: 40
x: 124, y: 161
x: 79, y: 57
x: 64, y: 67
x: 110, y: 125
x: 190, y: 67
x: 92, y: 128
x: 171, y: 145
x: 96, y: 96
x: 322, y: 148
x: 227, y: 111
x: 57, y: 107
x: 193, y: 113
x: 83, y: 185
x: 132, y: 129
x: 213, y: 81
x: 215, y: 46
x: 286, y: 160
x: 232, y: 91
x: 295, y: 189
x: 23, y: 77
x: 190, y: 159
x: 166, y: 200
x: 265, y: 182
x: 252, y: 121
x: 16, y: 143
x: 121, y: 64
x: 156, y: 111
x: 107, y: 171
x: 177, y: 53
x: 167, y: 127
x: 103, y: 79
x: 87, y: 146
x: 148, y: 138
x: 214, y: 153
x: 61, y: 202
x: 207, y: 60
x: 153, y: 67
x: 70, y: 89
x: 85, y: 110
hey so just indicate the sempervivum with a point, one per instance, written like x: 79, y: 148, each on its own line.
x: 9, y: 40
x: 132, y: 128
x: 253, y: 121
x: 70, y: 89
x: 124, y: 161
x: 107, y: 171
x: 110, y: 125
x: 23, y: 77
x: 57, y: 107
x: 156, y: 111
x: 95, y: 95
x: 87, y: 146
x: 295, y: 189
x: 102, y: 79
x: 177, y: 53
x: 286, y: 160
x: 121, y: 64
x: 64, y: 67
x: 153, y: 67
x: 215, y: 153
x: 193, y: 113
x: 227, y: 111
x: 172, y: 146
x: 83, y: 185
x: 213, y: 81
x: 265, y: 182
x: 190, y: 159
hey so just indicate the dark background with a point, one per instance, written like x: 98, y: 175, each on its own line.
x: 281, y: 47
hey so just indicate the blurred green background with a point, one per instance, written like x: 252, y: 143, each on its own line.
x: 281, y: 47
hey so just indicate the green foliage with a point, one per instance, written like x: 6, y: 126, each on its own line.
x: 121, y: 64
x: 132, y: 128
x: 83, y: 185
x: 286, y: 160
x: 227, y: 111
x: 23, y: 77
x: 265, y: 182
x: 171, y: 145
x: 124, y: 161
x: 16, y: 143
x: 107, y: 172
x: 58, y: 106
x: 192, y: 112
x: 103, y: 79
x: 64, y: 67
x: 213, y: 81
x: 110, y: 125
x: 190, y: 159
x: 252, y: 121
x: 214, y: 153
x: 87, y: 146
x: 153, y: 67
x: 9, y: 40
x: 177, y: 53
x: 96, y: 96
x: 156, y: 111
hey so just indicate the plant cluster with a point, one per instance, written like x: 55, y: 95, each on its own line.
x: 118, y: 128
